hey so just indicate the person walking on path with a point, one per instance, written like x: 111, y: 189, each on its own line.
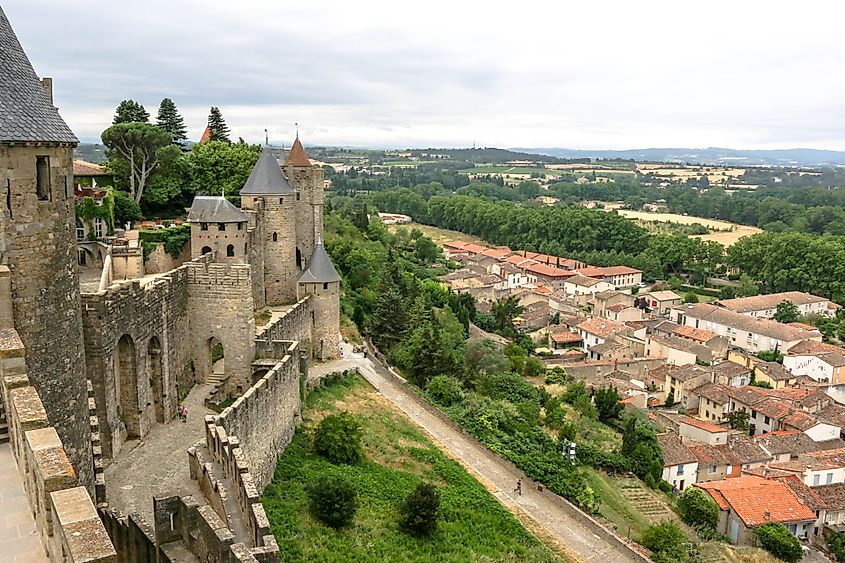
x: 184, y: 414
x: 518, y: 488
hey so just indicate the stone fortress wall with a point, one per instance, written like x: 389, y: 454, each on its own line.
x: 70, y: 528
x: 39, y: 247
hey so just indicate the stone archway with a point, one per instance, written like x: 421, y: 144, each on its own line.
x: 216, y: 360
x: 155, y: 373
x: 126, y: 386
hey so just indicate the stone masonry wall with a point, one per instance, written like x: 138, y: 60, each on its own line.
x: 325, y: 318
x: 308, y: 182
x: 264, y: 418
x: 220, y: 306
x: 137, y: 350
x: 278, y: 220
x: 39, y: 248
x: 159, y: 261
x: 65, y: 517
x: 295, y: 324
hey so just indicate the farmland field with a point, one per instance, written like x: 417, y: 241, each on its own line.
x: 438, y: 235
x: 727, y: 233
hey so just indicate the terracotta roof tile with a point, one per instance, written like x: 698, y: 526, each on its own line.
x: 601, y: 327
x: 698, y: 334
x: 297, y: 156
x: 758, y: 501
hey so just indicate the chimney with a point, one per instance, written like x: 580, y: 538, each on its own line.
x: 47, y: 84
x: 767, y: 515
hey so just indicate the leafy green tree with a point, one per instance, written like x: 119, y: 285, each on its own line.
x: 504, y: 311
x: 219, y: 129
x: 130, y: 111
x: 218, y: 166
x: 836, y: 545
x: 775, y: 538
x: 641, y: 447
x: 607, y: 404
x: 738, y: 420
x: 786, y: 312
x: 690, y: 297
x: 420, y: 511
x: 359, y: 214
x: 483, y: 357
x: 771, y: 356
x: 556, y: 375
x: 576, y: 391
x: 445, y: 390
x: 698, y: 509
x: 747, y: 287
x: 426, y: 250
x: 125, y: 209
x: 333, y: 500
x: 517, y: 356
x: 138, y: 150
x: 666, y: 541
x: 670, y: 399
x: 169, y: 120
x: 339, y: 439
x: 534, y: 367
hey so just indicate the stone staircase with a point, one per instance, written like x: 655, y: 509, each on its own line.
x: 4, y: 425
x: 215, y: 379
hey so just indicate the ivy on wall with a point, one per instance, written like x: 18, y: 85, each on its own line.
x: 174, y: 239
x: 88, y: 211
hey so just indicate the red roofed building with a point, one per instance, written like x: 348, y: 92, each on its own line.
x: 750, y: 501
x: 617, y: 276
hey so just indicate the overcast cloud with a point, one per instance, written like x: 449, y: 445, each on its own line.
x: 590, y: 74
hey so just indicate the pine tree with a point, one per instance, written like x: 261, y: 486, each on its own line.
x: 129, y: 111
x: 219, y: 129
x: 170, y: 120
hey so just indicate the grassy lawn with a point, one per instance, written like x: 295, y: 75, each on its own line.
x: 438, y: 235
x: 473, y: 525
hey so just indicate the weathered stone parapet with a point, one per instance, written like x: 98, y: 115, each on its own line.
x: 79, y: 534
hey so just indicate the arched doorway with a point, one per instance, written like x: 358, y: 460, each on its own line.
x: 126, y: 384
x: 206, y: 249
x: 217, y: 358
x: 155, y: 374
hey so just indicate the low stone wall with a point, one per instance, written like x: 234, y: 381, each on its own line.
x: 265, y: 417
x: 70, y: 528
x: 159, y: 261
x: 134, y: 541
x: 295, y: 324
x: 591, y: 523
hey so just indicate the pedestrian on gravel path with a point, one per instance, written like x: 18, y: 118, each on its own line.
x: 518, y: 489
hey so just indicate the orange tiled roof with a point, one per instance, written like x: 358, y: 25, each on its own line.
x: 83, y: 168
x: 497, y: 253
x: 601, y: 327
x: 702, y: 425
x: 698, y: 334
x: 297, y: 156
x: 566, y: 336
x: 758, y: 501
x: 206, y: 135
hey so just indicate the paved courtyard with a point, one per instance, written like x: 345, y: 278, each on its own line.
x: 158, y: 464
x: 19, y: 540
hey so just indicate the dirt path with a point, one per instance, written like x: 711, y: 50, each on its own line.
x: 578, y: 541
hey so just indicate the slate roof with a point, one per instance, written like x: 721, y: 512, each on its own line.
x: 297, y: 156
x: 319, y: 268
x: 26, y: 112
x: 674, y: 452
x: 267, y: 177
x: 215, y: 209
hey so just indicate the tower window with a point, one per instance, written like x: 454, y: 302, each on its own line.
x: 240, y: 226
x: 281, y: 201
x: 221, y: 226
x: 325, y: 285
x: 203, y: 226
x: 42, y: 177
x: 275, y: 237
x: 230, y: 250
x: 297, y: 196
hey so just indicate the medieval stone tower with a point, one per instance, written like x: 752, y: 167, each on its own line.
x: 321, y: 281
x: 37, y: 244
x: 308, y: 184
x: 268, y: 193
x: 218, y: 225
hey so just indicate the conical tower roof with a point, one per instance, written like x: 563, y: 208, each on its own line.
x: 267, y: 177
x: 319, y: 268
x: 297, y: 156
x: 215, y: 209
x: 26, y: 112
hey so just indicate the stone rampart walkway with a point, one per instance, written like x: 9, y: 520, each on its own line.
x: 20, y: 541
x: 579, y: 540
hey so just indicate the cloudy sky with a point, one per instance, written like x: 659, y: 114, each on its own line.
x: 576, y: 74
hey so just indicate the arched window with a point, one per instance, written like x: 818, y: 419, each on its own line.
x: 206, y: 249
x: 275, y: 237
x: 230, y: 250
x: 298, y: 259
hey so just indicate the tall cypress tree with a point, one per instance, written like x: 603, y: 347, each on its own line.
x: 129, y: 111
x: 219, y: 129
x: 169, y: 120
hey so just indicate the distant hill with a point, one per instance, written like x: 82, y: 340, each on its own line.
x: 91, y: 152
x: 492, y: 155
x: 711, y: 155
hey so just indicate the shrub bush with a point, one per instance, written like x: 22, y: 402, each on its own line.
x: 419, y: 512
x: 333, y: 500
x: 666, y: 541
x: 445, y: 390
x: 338, y: 439
x: 777, y: 540
x: 698, y: 509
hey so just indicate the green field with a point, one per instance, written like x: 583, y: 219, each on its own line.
x: 473, y: 527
